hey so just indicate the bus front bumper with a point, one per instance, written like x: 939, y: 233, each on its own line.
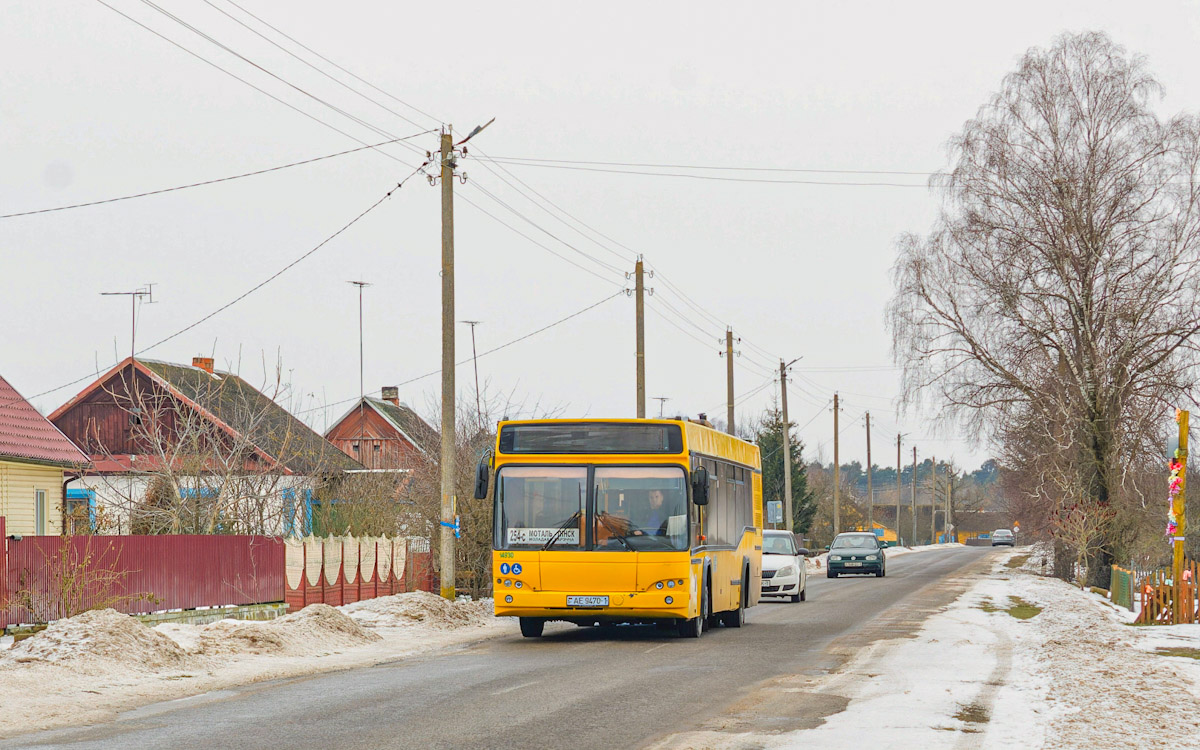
x: 621, y: 607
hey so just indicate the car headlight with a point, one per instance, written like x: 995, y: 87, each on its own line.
x: 785, y: 571
x: 835, y: 557
x: 872, y: 557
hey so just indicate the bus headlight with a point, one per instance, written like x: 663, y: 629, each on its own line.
x: 507, y: 582
x: 658, y: 585
x: 669, y: 600
x: 508, y: 599
x: 670, y: 584
x: 518, y: 584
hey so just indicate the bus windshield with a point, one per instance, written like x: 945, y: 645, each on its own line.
x: 535, y: 503
x: 642, y: 508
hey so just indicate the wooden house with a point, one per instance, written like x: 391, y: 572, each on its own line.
x: 384, y: 434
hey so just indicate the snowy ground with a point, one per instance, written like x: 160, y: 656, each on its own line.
x: 1074, y: 675
x: 94, y: 666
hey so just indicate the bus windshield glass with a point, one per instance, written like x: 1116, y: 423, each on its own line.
x: 640, y: 508
x: 536, y: 504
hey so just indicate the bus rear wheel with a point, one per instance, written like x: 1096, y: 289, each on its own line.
x: 531, y: 627
x: 737, y: 617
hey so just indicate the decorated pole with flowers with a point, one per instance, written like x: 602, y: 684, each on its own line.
x: 1176, y: 516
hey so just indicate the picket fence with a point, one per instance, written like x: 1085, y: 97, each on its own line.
x: 342, y: 570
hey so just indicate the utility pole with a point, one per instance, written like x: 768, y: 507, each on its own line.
x: 134, y: 297
x: 362, y: 450
x: 475, y: 361
x: 1178, y: 517
x: 448, y: 392
x: 946, y: 524
x: 640, y: 307
x: 837, y: 473
x: 729, y: 381
x: 933, y: 503
x: 899, y: 488
x: 913, y: 483
x: 787, y: 444
x: 870, y: 485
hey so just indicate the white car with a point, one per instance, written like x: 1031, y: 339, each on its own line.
x: 783, y: 568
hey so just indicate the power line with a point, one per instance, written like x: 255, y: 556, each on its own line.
x: 505, y: 345
x: 522, y: 159
x: 716, y: 178
x: 209, y: 182
x: 235, y: 76
x: 248, y: 292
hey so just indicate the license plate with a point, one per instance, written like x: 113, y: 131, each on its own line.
x: 853, y: 565
x: 587, y: 601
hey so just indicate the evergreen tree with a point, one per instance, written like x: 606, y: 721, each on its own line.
x: 770, y: 442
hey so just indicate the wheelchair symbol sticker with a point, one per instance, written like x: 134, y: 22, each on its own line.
x: 516, y: 569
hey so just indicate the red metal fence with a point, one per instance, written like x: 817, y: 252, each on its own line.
x: 42, y: 578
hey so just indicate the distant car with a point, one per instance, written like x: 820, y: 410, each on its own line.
x: 783, y: 568
x: 1003, y: 536
x: 856, y: 552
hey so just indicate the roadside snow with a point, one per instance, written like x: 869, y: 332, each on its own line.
x: 93, y: 666
x: 1074, y: 676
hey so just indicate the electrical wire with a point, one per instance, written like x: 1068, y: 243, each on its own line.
x: 249, y: 291
x: 716, y: 178
x: 493, y: 350
x: 260, y: 90
x: 209, y: 182
x: 519, y: 159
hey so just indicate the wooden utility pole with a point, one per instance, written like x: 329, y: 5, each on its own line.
x: 899, y: 488
x: 729, y: 380
x: 870, y: 485
x: 913, y: 483
x: 640, y: 306
x: 449, y: 400
x: 837, y: 473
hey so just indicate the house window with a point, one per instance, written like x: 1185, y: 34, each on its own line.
x: 39, y: 512
x: 81, y: 511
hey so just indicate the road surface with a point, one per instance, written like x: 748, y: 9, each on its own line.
x: 576, y: 687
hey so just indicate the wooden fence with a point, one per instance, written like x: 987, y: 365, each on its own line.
x: 1158, y: 594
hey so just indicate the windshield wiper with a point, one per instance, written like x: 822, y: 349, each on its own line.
x: 616, y: 535
x: 565, y: 525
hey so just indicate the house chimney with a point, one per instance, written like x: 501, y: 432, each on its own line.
x: 204, y: 363
x: 391, y: 394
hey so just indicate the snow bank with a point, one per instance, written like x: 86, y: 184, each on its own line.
x: 420, y: 608
x: 316, y: 629
x: 98, y: 639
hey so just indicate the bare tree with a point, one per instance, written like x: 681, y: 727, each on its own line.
x: 1052, y: 308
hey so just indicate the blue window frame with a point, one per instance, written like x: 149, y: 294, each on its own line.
x: 77, y: 497
x: 290, y: 512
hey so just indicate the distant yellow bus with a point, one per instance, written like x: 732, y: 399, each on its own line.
x: 624, y: 521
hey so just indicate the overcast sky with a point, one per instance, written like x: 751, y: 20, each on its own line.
x: 93, y: 106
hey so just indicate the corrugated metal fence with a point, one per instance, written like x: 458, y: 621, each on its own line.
x: 43, y: 577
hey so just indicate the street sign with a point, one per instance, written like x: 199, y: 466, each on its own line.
x: 774, y: 511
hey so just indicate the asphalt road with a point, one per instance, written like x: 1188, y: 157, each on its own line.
x: 576, y: 687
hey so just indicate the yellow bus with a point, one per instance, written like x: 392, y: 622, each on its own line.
x: 624, y: 521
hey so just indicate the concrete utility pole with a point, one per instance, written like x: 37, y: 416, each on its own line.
x: 449, y: 400
x: 933, y: 503
x: 899, y: 490
x: 640, y: 306
x: 914, y: 495
x: 729, y: 380
x: 870, y: 485
x: 787, y: 444
x: 837, y: 474
x: 362, y: 448
x: 946, y: 524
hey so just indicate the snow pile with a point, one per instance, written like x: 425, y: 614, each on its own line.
x: 98, y: 638
x: 420, y: 608
x: 315, y: 629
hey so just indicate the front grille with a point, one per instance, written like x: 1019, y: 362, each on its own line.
x: 770, y: 588
x: 768, y: 574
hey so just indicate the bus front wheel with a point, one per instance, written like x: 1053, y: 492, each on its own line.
x: 531, y: 627
x: 694, y: 627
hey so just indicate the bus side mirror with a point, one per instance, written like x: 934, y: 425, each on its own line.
x: 700, y: 486
x: 481, y: 478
